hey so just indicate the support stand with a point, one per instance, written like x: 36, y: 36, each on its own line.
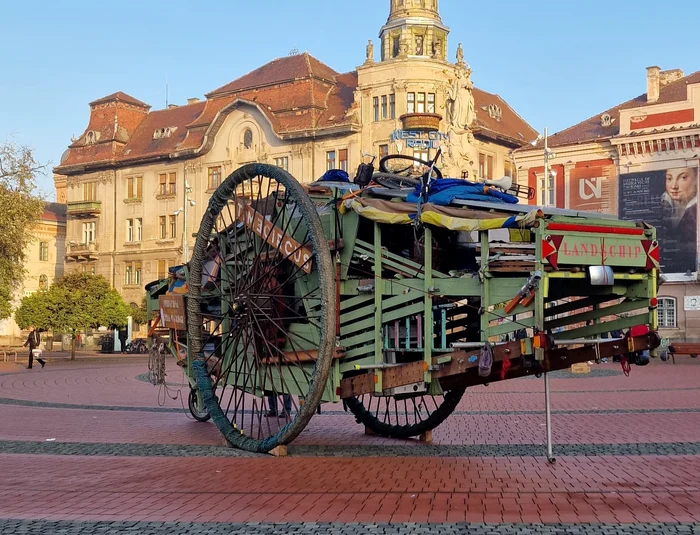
x: 548, y: 414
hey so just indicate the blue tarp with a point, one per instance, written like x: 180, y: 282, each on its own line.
x: 444, y: 191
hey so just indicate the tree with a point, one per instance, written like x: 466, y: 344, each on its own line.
x: 139, y: 314
x: 76, y: 302
x: 20, y: 209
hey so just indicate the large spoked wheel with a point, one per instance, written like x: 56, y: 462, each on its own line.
x: 261, y: 308
x: 404, y: 416
x: 398, y: 164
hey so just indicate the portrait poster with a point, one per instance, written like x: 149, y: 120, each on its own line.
x: 666, y: 199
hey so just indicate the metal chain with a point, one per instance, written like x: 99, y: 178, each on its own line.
x: 156, y: 364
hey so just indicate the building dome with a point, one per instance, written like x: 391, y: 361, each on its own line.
x: 413, y: 29
x: 399, y: 9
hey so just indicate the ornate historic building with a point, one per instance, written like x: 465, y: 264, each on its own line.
x: 134, y: 175
x: 638, y: 160
x: 45, y: 262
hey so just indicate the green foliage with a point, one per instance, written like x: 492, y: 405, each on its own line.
x: 20, y: 209
x: 139, y: 314
x: 5, y: 300
x: 76, y: 302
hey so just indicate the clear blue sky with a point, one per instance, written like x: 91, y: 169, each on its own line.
x: 556, y: 62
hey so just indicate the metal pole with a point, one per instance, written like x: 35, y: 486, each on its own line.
x: 185, y: 251
x: 546, y: 171
x: 548, y: 413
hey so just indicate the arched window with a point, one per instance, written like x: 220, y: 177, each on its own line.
x: 43, y: 282
x: 248, y: 139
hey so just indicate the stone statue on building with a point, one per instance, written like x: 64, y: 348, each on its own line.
x: 419, y: 45
x: 437, y: 49
x: 370, y: 52
x: 459, y: 101
x: 460, y: 56
x: 403, y: 48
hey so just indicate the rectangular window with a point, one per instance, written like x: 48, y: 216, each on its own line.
x: 411, y: 103
x: 375, y: 106
x: 392, y: 106
x: 138, y: 229
x: 343, y: 159
x: 132, y: 273
x: 421, y: 103
x: 383, y: 151
x: 667, y: 312
x: 133, y: 187
x: 129, y: 230
x: 172, y: 183
x: 489, y: 167
x: 89, y: 232
x: 508, y: 168
x: 330, y: 160
x: 44, y: 251
x: 282, y: 162
x: 431, y: 102
x: 163, y: 229
x: 173, y: 226
x: 162, y: 269
x: 90, y: 191
x: 385, y: 111
x: 162, y: 184
x: 482, y: 165
x: 213, y: 177
x: 421, y: 155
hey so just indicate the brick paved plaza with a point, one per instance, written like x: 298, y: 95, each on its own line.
x: 91, y: 447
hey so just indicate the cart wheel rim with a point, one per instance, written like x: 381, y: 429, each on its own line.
x: 198, y: 412
x: 404, y: 416
x: 261, y: 308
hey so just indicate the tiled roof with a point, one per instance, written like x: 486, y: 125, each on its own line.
x: 54, y: 211
x: 591, y: 129
x: 510, y: 125
x: 121, y: 96
x: 289, y: 68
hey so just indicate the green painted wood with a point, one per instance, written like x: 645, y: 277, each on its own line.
x: 622, y: 308
x: 353, y: 325
x: 602, y: 328
x: 368, y: 333
x: 510, y: 326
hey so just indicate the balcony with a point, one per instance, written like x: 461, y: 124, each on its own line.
x: 421, y: 121
x: 83, y: 209
x: 82, y: 252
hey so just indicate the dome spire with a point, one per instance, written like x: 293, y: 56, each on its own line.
x: 413, y: 29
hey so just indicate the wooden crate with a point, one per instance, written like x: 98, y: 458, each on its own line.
x: 582, y: 368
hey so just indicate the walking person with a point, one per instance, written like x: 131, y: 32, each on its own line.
x: 123, y: 337
x: 272, y: 405
x: 33, y: 341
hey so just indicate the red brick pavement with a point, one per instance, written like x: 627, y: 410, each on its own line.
x: 486, y: 489
x: 501, y: 490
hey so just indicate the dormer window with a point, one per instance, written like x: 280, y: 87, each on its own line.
x: 91, y: 137
x: 161, y: 133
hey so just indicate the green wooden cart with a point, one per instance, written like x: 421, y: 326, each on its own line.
x: 298, y: 295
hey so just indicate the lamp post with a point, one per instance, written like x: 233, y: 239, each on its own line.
x: 548, y: 173
x: 187, y: 203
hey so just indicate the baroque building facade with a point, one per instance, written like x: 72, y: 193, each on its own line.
x: 131, y: 178
x: 637, y: 160
x: 44, y: 263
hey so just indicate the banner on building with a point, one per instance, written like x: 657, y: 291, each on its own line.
x: 593, y: 188
x: 691, y: 303
x: 666, y: 199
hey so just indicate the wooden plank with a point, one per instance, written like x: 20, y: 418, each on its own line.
x: 613, y: 310
x: 356, y: 386
x: 462, y: 372
x: 405, y: 374
x: 293, y: 357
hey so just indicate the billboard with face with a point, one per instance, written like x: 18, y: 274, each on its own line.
x: 666, y: 199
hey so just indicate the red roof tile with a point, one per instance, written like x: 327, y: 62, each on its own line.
x: 510, y: 125
x: 591, y: 129
x: 122, y: 97
x: 289, y: 68
x: 54, y: 212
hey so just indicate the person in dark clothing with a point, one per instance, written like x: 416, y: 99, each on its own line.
x: 123, y: 336
x: 33, y: 341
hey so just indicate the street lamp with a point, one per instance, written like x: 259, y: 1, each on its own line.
x: 549, y: 174
x: 183, y: 210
